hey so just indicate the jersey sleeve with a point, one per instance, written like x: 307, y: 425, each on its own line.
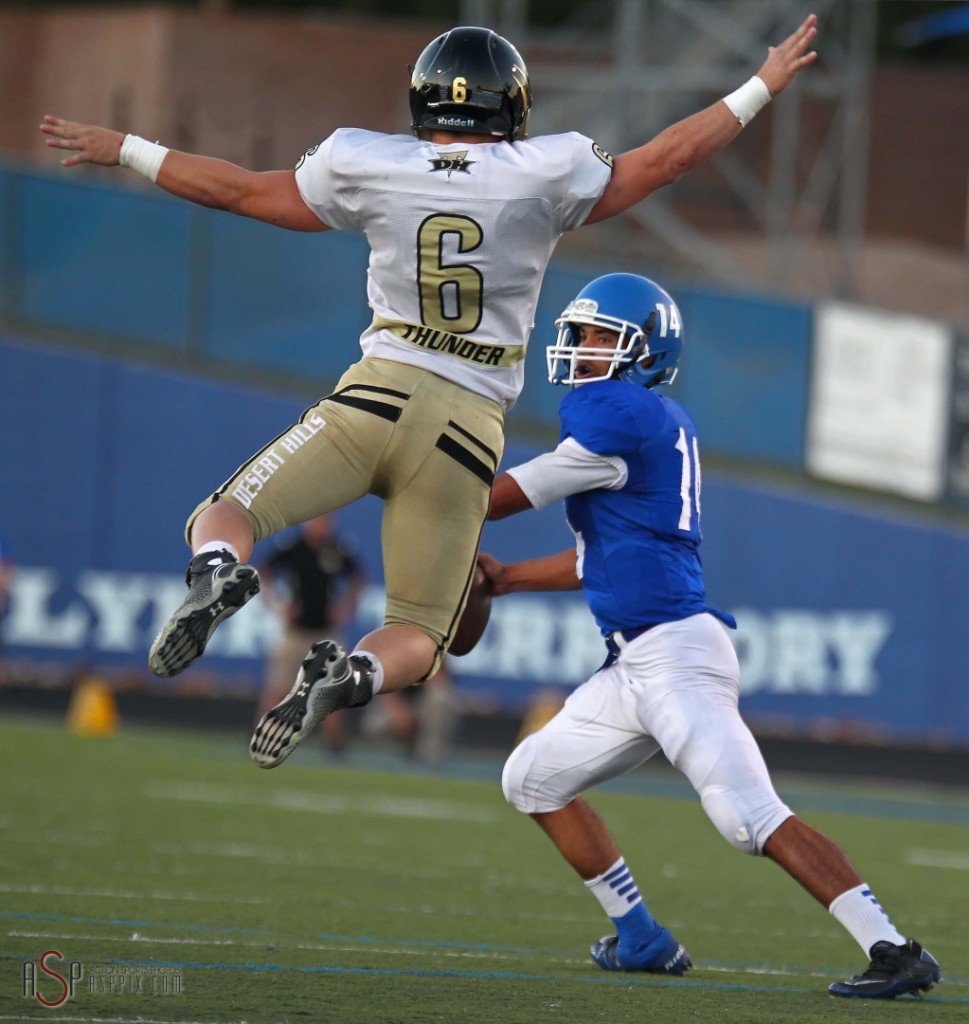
x: 570, y: 469
x: 324, y: 184
x: 598, y: 418
x: 590, y: 173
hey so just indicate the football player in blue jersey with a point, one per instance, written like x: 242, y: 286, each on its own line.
x: 628, y: 468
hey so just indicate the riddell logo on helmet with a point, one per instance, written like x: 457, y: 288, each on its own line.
x: 455, y: 122
x: 581, y: 307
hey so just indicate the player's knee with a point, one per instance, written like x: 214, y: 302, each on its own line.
x: 422, y: 647
x: 533, y: 786
x: 514, y: 776
x: 744, y: 828
x: 436, y: 663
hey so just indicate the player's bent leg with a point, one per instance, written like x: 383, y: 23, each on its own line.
x: 641, y: 943
x: 897, y: 966
x: 589, y: 741
x: 439, y: 472
x: 327, y: 681
x: 815, y: 862
x: 745, y: 815
x: 278, y: 487
x: 726, y: 768
x: 218, y: 586
x: 687, y: 679
x: 593, y: 738
x: 691, y: 708
x: 405, y: 651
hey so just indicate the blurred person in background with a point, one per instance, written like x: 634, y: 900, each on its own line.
x: 313, y: 583
x: 462, y: 218
x: 628, y: 468
x: 437, y: 710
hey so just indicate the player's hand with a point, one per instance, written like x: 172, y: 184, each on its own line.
x: 787, y: 58
x: 90, y: 144
x: 494, y: 573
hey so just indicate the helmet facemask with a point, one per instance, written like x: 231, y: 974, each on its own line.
x: 647, y: 334
x: 566, y: 356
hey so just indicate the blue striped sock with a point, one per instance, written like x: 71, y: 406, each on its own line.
x: 616, y: 891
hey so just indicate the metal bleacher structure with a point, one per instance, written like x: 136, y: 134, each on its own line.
x: 632, y: 68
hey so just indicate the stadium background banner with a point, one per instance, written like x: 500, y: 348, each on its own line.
x: 850, y: 624
x: 227, y: 292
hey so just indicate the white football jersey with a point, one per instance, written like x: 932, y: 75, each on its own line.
x: 460, y: 237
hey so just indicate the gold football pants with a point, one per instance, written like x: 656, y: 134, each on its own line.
x: 425, y: 445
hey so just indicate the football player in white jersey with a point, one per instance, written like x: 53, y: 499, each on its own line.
x: 628, y: 467
x: 462, y: 218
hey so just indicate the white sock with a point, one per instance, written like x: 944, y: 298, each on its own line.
x: 378, y: 669
x: 218, y: 545
x: 615, y: 889
x: 862, y: 915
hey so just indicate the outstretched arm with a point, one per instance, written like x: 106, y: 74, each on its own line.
x: 507, y: 498
x: 270, y: 196
x: 640, y: 172
x: 554, y: 572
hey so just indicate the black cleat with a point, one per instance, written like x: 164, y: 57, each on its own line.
x: 893, y: 971
x: 218, y: 586
x: 328, y: 681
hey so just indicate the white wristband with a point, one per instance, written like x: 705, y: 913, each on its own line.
x: 142, y: 156
x: 748, y: 99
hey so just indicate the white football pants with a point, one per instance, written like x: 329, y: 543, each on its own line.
x: 674, y: 688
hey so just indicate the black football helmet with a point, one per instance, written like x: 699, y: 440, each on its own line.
x: 471, y: 80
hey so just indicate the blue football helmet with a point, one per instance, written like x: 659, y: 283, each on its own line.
x: 647, y: 323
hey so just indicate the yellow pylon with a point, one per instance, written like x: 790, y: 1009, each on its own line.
x: 545, y: 705
x: 92, y: 711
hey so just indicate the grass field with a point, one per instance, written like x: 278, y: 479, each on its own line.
x: 332, y: 892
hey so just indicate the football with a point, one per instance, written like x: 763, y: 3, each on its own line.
x: 475, y: 617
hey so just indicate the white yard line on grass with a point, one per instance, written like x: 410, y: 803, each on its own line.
x: 312, y: 947
x: 937, y: 859
x: 321, y: 803
x: 120, y: 894
x: 59, y: 838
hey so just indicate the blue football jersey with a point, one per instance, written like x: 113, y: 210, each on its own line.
x: 638, y: 554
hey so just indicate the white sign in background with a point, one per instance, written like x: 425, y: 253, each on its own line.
x: 878, y: 411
